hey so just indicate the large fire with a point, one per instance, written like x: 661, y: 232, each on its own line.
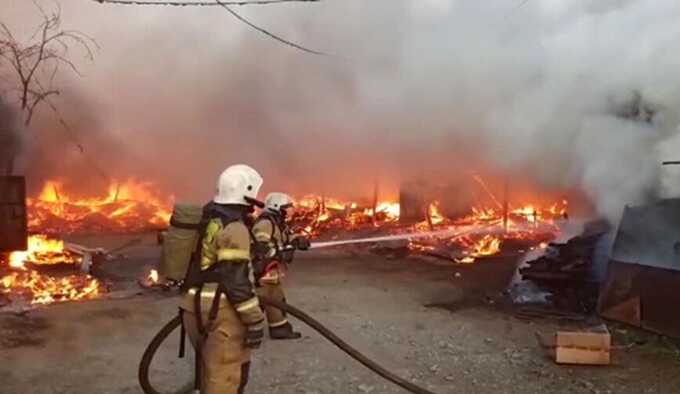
x: 24, y: 281
x: 128, y: 206
x: 316, y: 215
x: 136, y: 206
x: 535, y: 223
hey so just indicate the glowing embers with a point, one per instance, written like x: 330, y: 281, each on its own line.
x: 37, y: 288
x: 460, y: 249
x: 128, y: 206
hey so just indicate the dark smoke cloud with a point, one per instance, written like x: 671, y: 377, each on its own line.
x: 84, y: 153
x: 437, y: 89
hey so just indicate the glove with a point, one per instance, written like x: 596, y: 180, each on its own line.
x: 253, y: 337
x: 302, y: 243
x: 258, y: 271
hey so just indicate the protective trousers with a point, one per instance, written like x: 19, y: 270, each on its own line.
x: 224, y: 361
x: 273, y: 289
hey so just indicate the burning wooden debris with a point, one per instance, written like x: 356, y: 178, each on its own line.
x: 134, y: 206
x: 524, y: 227
x: 49, y: 272
x: 566, y: 272
x: 318, y: 216
x: 129, y: 206
x: 36, y: 288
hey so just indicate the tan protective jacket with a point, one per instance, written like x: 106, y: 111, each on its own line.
x: 229, y: 245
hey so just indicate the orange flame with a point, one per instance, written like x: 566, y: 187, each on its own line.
x: 482, y: 214
x: 127, y: 206
x: 390, y: 210
x: 436, y: 216
x: 41, y: 250
x: 44, y: 289
x: 153, y: 276
x: 487, y: 246
x: 318, y: 214
x: 529, y: 212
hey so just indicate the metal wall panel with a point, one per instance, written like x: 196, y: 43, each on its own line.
x: 13, y: 216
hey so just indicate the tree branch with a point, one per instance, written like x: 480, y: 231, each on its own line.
x: 41, y: 51
x: 37, y: 98
x: 47, y: 50
x: 199, y: 3
x: 267, y: 33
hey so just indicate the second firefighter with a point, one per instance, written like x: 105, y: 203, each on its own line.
x: 278, y: 245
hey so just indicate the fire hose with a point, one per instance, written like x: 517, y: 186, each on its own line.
x: 162, y: 335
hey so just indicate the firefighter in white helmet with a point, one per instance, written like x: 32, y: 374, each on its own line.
x: 221, y: 312
x: 272, y: 231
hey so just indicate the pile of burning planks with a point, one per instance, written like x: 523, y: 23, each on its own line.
x: 567, y: 271
x: 53, y: 271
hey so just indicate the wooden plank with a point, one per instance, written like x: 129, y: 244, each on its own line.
x: 590, y: 348
x: 588, y: 340
x: 581, y: 356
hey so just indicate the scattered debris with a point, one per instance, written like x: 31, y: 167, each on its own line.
x: 565, y: 272
x: 531, y: 312
x: 52, y: 270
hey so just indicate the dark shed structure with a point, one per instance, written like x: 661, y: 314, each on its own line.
x: 642, y: 287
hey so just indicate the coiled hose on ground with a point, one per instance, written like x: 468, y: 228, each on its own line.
x: 321, y: 329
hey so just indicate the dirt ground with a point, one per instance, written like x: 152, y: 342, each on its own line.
x: 434, y: 324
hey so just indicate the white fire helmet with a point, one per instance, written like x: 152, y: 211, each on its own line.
x: 238, y: 184
x: 277, y: 201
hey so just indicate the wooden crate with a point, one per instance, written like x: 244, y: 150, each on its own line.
x: 591, y: 347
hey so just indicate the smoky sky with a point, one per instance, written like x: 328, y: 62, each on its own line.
x: 538, y: 92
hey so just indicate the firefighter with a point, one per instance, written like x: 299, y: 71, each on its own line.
x: 220, y: 309
x: 272, y: 231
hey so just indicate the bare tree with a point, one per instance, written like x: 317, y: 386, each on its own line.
x: 35, y: 63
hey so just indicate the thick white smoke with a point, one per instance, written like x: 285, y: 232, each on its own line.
x: 583, y: 90
x: 571, y: 93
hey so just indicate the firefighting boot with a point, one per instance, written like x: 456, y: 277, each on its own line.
x: 284, y: 332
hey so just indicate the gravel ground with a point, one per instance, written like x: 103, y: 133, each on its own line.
x: 431, y: 323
